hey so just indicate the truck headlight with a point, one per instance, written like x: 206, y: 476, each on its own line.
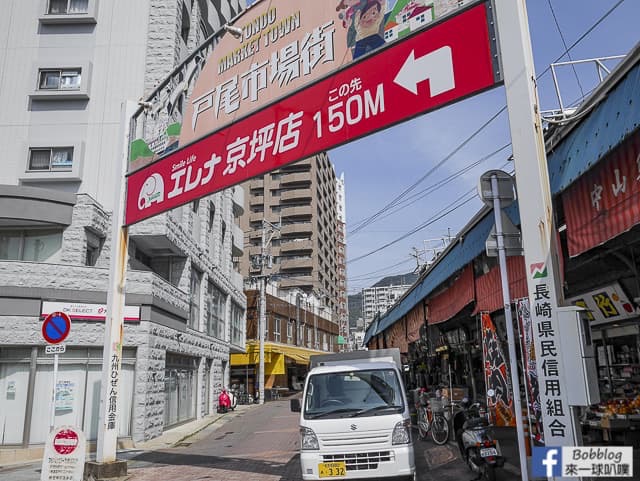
x: 402, y: 433
x: 308, y: 441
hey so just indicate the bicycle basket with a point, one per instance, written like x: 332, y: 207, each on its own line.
x: 436, y: 405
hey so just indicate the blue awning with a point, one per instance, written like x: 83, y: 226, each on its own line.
x: 467, y: 246
x: 612, y: 121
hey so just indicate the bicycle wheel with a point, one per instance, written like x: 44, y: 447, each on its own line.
x: 423, y: 424
x: 439, y: 429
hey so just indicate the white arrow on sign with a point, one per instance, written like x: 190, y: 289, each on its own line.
x: 437, y: 66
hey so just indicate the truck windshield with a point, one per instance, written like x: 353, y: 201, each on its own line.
x: 353, y: 393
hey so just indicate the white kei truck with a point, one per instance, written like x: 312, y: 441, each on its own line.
x: 354, y: 418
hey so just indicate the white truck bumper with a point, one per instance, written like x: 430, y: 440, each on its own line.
x: 399, y: 462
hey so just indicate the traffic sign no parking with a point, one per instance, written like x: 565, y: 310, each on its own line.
x: 56, y: 327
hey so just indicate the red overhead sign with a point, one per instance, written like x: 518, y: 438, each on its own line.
x: 429, y: 69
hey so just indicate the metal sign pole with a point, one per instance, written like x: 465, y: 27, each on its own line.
x: 506, y: 297
x: 54, y: 392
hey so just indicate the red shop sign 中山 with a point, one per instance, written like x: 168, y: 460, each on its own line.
x: 604, y: 202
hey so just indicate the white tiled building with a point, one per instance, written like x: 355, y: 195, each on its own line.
x: 65, y: 68
x: 378, y: 299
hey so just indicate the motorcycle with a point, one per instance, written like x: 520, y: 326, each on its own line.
x: 475, y: 441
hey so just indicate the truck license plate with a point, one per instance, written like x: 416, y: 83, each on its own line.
x: 332, y: 470
x: 485, y: 452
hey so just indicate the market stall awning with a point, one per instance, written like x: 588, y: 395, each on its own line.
x: 300, y: 355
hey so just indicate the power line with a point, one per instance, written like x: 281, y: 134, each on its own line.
x: 421, y: 226
x: 555, y: 19
x: 434, y: 187
x: 360, y: 224
x: 399, y: 197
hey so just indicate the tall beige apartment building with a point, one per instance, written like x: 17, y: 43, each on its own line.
x: 301, y: 198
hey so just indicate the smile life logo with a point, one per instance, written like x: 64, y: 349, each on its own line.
x: 547, y: 462
x: 152, y: 191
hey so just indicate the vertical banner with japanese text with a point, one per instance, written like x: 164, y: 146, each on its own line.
x: 553, y: 398
x: 531, y: 374
x: 496, y: 372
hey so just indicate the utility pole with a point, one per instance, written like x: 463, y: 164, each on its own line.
x: 536, y: 212
x: 262, y: 320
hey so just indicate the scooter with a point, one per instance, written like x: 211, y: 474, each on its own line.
x: 226, y: 401
x: 475, y: 440
x: 233, y: 399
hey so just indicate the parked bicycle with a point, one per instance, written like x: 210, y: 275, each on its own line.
x: 431, y: 418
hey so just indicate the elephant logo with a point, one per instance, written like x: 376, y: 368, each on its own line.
x: 152, y: 191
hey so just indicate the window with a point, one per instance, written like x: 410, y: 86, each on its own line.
x: 186, y: 24
x: 168, y: 267
x: 60, y: 79
x: 51, y: 159
x: 35, y: 245
x: 194, y: 311
x: 94, y: 246
x: 216, y: 307
x: 290, y: 332
x: 237, y: 332
x: 276, y: 329
x: 212, y: 215
x: 61, y: 7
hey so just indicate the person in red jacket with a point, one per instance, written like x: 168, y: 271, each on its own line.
x: 224, y: 402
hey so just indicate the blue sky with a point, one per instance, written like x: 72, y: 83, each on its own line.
x: 380, y: 167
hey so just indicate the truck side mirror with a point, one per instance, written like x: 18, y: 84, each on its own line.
x: 295, y: 405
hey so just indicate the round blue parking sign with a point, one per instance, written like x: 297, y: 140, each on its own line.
x: 56, y: 327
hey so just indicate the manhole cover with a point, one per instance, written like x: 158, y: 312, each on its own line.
x: 439, y: 455
x: 183, y: 445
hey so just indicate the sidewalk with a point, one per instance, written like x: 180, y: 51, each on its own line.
x: 190, y: 431
x: 28, y: 469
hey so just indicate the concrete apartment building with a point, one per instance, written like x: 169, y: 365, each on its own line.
x: 301, y: 197
x: 376, y: 300
x: 65, y: 68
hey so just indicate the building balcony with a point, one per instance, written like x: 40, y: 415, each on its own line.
x: 296, y: 246
x: 297, y: 166
x: 50, y: 277
x: 295, y: 179
x: 237, y: 280
x: 296, y: 263
x: 237, y: 242
x: 296, y: 195
x: 256, y: 183
x: 301, y: 282
x: 159, y: 236
x: 256, y: 200
x: 238, y: 200
x: 256, y: 217
x: 300, y: 211
x: 255, y: 234
x: 297, y: 228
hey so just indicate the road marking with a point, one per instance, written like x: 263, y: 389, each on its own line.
x: 278, y: 431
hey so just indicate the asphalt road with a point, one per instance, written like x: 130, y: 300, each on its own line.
x: 261, y: 444
x: 255, y: 444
